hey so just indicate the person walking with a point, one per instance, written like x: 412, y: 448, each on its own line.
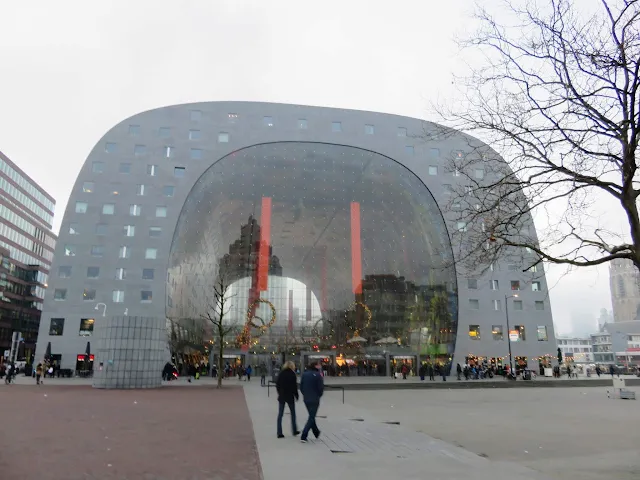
x: 312, y: 388
x: 248, y: 371
x: 459, y: 370
x: 287, y: 388
x: 38, y: 373
x: 263, y: 374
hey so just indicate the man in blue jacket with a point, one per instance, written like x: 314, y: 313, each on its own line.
x: 311, y: 387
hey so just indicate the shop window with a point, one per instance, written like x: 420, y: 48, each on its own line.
x: 542, y: 334
x: 474, y: 332
x: 56, y: 326
x: 89, y: 294
x: 86, y: 327
x: 496, y: 331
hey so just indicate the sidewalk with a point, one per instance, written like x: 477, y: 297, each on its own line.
x: 355, y: 444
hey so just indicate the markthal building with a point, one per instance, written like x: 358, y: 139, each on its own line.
x: 326, y: 228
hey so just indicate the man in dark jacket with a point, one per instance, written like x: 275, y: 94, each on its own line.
x: 312, y: 387
x: 287, y: 387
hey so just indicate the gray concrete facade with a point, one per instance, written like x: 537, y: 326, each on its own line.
x: 132, y: 179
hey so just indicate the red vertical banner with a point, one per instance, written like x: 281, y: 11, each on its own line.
x: 265, y: 245
x: 291, y: 310
x: 324, y: 305
x: 356, y: 249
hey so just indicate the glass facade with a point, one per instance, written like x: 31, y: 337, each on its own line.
x: 333, y: 248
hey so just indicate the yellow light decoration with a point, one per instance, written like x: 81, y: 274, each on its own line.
x: 367, y: 311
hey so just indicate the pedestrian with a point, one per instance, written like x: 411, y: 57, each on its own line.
x: 459, y: 371
x: 263, y: 374
x: 287, y: 388
x: 612, y: 370
x: 312, y: 387
x: 430, y: 371
x: 422, y: 371
x: 248, y: 372
x: 38, y: 373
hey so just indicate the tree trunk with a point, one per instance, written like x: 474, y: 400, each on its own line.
x: 220, y: 370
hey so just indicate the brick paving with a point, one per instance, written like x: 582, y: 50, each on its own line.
x: 63, y: 432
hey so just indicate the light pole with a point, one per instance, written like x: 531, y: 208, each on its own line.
x: 104, y: 310
x: 506, y: 312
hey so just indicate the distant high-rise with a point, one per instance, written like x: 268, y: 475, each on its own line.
x: 624, y: 282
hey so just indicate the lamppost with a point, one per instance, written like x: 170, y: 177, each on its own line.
x: 506, y: 312
x: 104, y: 310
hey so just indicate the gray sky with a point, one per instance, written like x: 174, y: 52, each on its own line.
x: 70, y: 70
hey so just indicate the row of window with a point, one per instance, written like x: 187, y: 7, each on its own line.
x: 103, y: 229
x: 24, y: 224
x: 25, y: 184
x: 19, y: 255
x: 516, y: 285
x: 15, y: 236
x: 152, y: 170
x: 141, y: 190
x: 478, y: 173
x: 23, y: 199
x: 89, y: 295
x: 99, y: 250
x: 517, y: 333
x: 135, y: 210
x: 65, y: 271
x: 56, y: 326
x: 474, y: 304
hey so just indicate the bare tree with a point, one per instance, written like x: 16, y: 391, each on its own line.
x: 554, y: 87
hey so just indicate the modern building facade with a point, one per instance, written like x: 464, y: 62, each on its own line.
x: 618, y: 343
x: 26, y: 252
x: 624, y: 282
x: 576, y: 349
x: 329, y: 227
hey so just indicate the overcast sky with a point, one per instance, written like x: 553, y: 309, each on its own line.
x: 70, y: 70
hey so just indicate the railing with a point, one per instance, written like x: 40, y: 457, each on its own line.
x: 335, y: 387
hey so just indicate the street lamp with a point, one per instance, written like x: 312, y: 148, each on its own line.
x: 104, y: 310
x: 506, y: 312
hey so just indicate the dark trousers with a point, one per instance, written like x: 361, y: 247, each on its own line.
x: 263, y: 380
x: 312, y: 408
x: 292, y: 410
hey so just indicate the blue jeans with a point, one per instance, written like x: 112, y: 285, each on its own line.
x: 292, y: 410
x: 312, y: 408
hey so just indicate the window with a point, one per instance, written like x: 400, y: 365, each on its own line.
x: 155, y: 232
x: 69, y: 250
x: 539, y: 305
x: 134, y: 129
x: 97, y: 167
x: 56, y: 326
x: 336, y: 126
x: 456, y: 172
x: 148, y: 273
x: 81, y: 207
x: 161, y: 212
x: 433, y: 170
x: 145, y: 296
x: 108, y: 209
x: 121, y: 273
x: 168, y: 151
x: 233, y: 117
x: 517, y: 304
x: 117, y: 296
x: 474, y: 304
x: 448, y: 189
x: 195, y: 115
x: 134, y: 210
x: 496, y: 331
x: 194, y: 134
x: 497, y: 305
x: 97, y: 250
x: 494, y: 285
x: 110, y: 147
x: 168, y: 190
x: 60, y: 294
x: 124, y: 252
x: 472, y: 283
x: 164, y: 132
x: 479, y: 173
x: 542, y: 334
x: 178, y: 172
x: 140, y: 190
x: 434, y: 152
x: 533, y: 268
x: 462, y: 226
x: 93, y: 272
x: 474, y: 332
x: 267, y: 121
x: 402, y: 132
x: 89, y: 294
x: 512, y: 267
x: 223, y: 137
x: 139, y: 150
x: 88, y: 187
x: 152, y: 170
x: 535, y: 287
x: 64, y: 272
x: 369, y: 130
x: 303, y: 124
x: 129, y: 230
x: 101, y: 229
x: 151, y: 253
x: 124, y: 168
x: 515, y: 285
x: 408, y: 149
x: 86, y: 327
x: 519, y: 329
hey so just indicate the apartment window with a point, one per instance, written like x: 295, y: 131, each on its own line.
x: 496, y: 331
x: 434, y: 152
x: 146, y: 296
x: 134, y: 130
x: 161, y: 212
x: 56, y: 327
x: 494, y: 285
x: 474, y: 332
x: 497, y: 305
x: 64, y: 272
x: 88, y: 187
x: 121, y: 273
x: 178, y: 172
x: 108, y: 209
x: 456, y: 172
x: 140, y: 190
x: 118, y: 296
x: 124, y: 252
x: 151, y: 253
x: 521, y: 332
x: 81, y: 207
x: 512, y: 267
x: 472, y: 283
x: 93, y: 272
x: 89, y: 294
x: 408, y: 149
x: 369, y: 130
x: 110, y: 147
x: 135, y: 210
x: 539, y: 304
x: 233, y: 117
x: 148, y: 273
x: 168, y: 190
x: 533, y: 268
x: 195, y: 115
x: 86, y: 327
x: 194, y: 134
x: 168, y: 151
x: 267, y: 121
x: 515, y: 285
x: 139, y: 149
x: 223, y: 137
x: 101, y: 229
x: 336, y: 126
x: 462, y: 226
x: 70, y: 250
x: 124, y: 168
x: 164, y: 132
x: 152, y: 170
x: 129, y: 230
x: 474, y: 304
x: 60, y: 294
x: 433, y: 170
x: 303, y: 124
x: 97, y: 250
x: 402, y: 132
x: 479, y: 173
x: 535, y: 287
x: 97, y: 167
x: 542, y: 334
x: 517, y: 304
x: 155, y: 232
x: 448, y: 189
